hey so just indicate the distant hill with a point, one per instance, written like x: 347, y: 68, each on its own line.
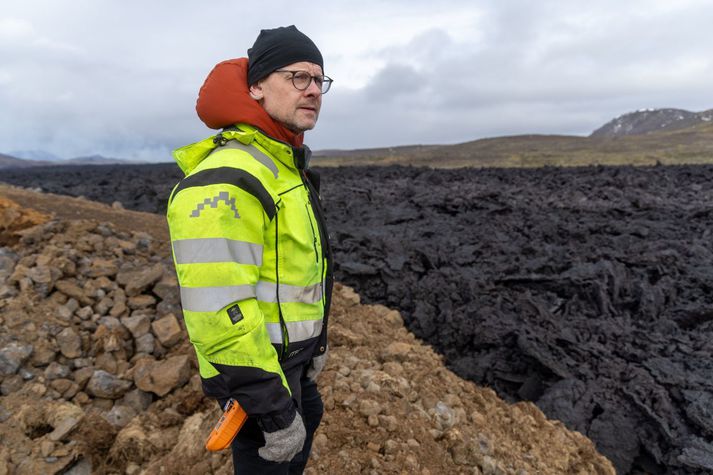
x: 98, y: 160
x: 36, y: 155
x: 669, y: 145
x: 7, y: 161
x: 647, y: 121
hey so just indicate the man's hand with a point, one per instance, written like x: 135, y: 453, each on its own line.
x: 317, y: 365
x: 282, y: 445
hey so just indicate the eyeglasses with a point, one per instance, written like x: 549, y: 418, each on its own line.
x: 302, y: 79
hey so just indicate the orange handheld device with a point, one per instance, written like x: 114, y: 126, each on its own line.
x: 227, y: 427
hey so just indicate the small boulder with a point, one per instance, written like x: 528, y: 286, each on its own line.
x: 138, y: 325
x: 141, y: 301
x: 82, y: 375
x: 119, y: 307
x: 63, y: 418
x: 397, y: 351
x: 145, y: 344
x: 102, y: 267
x: 161, y: 377
x: 136, y: 281
x: 12, y: 356
x: 137, y: 399
x: 106, y: 385
x: 70, y: 289
x: 11, y: 384
x: 167, y: 330
x: 56, y: 371
x: 369, y: 408
x: 70, y: 343
x: 120, y: 415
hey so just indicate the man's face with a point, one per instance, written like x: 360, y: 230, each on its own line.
x: 297, y: 110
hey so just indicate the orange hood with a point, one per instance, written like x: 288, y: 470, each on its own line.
x: 224, y: 100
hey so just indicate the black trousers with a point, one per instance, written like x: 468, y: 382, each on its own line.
x: 246, y: 460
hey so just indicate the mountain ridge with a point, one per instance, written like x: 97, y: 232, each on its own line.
x: 647, y: 121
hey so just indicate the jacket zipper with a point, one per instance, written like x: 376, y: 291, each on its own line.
x: 326, y: 251
x: 283, y: 325
x: 314, y: 234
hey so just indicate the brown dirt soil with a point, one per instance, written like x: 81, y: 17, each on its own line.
x: 66, y: 207
x: 391, y: 405
x: 14, y: 218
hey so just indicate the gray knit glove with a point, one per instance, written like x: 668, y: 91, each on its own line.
x: 282, y: 445
x: 317, y: 365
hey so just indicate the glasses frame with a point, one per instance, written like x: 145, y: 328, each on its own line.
x: 326, y: 80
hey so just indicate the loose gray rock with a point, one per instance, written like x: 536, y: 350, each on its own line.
x: 4, y: 414
x: 145, y: 344
x: 167, y: 330
x: 161, y: 377
x: 111, y: 323
x: 138, y: 325
x: 106, y: 385
x: 104, y: 305
x: 7, y: 264
x: 12, y: 356
x: 141, y: 301
x: 85, y: 313
x: 82, y: 376
x: 70, y: 289
x: 64, y: 427
x: 369, y: 408
x: 120, y: 415
x: 137, y: 399
x: 64, y: 313
x: 136, y: 281
x: 26, y: 374
x: 83, y: 467
x: 11, y: 384
x: 102, y: 267
x: 167, y: 289
x: 56, y: 371
x: 81, y: 363
x: 70, y: 343
x: 43, y: 277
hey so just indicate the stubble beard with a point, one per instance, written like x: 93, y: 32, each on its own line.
x: 296, y: 128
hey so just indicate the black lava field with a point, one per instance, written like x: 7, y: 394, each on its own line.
x: 588, y: 291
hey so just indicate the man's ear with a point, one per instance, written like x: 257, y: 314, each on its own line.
x: 256, y: 91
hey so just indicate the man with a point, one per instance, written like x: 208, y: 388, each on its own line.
x: 251, y: 249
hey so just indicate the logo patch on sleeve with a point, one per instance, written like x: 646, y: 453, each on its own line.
x: 235, y: 314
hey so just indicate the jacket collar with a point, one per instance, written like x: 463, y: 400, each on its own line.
x: 288, y: 155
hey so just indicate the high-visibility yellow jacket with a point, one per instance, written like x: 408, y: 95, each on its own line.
x: 253, y: 262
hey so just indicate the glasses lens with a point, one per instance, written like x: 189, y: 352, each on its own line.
x: 326, y: 84
x: 301, y: 80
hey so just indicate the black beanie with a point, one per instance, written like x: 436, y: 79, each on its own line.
x: 279, y: 47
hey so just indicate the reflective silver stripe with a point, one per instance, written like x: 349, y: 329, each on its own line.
x: 298, y: 331
x: 267, y: 292
x: 256, y: 154
x: 193, y: 251
x: 212, y: 299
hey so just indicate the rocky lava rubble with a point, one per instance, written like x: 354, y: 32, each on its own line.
x: 97, y: 375
x: 586, y: 291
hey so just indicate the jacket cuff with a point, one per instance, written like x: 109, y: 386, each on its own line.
x: 275, y: 421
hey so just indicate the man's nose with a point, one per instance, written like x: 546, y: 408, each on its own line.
x: 313, y: 89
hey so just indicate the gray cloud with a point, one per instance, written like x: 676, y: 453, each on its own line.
x: 121, y: 78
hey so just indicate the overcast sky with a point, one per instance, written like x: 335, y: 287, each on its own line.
x: 120, y: 78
